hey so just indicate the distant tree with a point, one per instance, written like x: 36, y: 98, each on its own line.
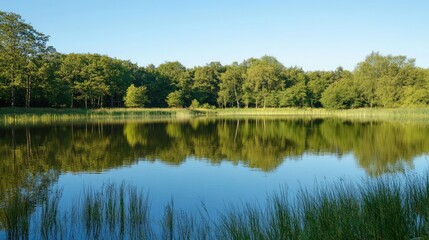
x: 294, y: 96
x: 382, y: 78
x: 263, y: 76
x: 342, y: 94
x: 93, y: 86
x: 70, y: 72
x: 86, y: 77
x: 296, y: 93
x: 318, y: 81
x: 178, y: 78
x: 50, y: 90
x: 230, y: 86
x: 175, y: 99
x: 294, y: 75
x: 417, y: 91
x: 118, y: 75
x: 195, y: 104
x: 158, y: 87
x: 205, y: 84
x: 135, y: 96
x: 20, y: 47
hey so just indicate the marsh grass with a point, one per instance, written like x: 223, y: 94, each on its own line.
x: 389, y: 207
x: 115, y: 211
x: 16, y: 216
x: 361, y: 113
x: 50, y: 222
x: 25, y: 116
x: 19, y: 116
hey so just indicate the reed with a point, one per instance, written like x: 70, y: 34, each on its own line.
x: 21, y: 116
x: 390, y: 207
x: 50, y: 223
x: 361, y: 113
x: 15, y: 216
x: 25, y: 116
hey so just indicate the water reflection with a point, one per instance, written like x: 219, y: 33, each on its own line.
x: 258, y: 143
x: 264, y: 144
x: 33, y: 157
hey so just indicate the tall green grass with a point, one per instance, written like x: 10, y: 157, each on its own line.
x: 392, y: 207
x: 17, y: 116
x: 362, y: 113
x: 25, y: 116
x: 15, y: 216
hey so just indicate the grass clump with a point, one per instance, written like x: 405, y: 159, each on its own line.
x: 385, y: 208
x: 15, y: 216
x: 50, y: 222
x: 392, y: 207
x: 115, y: 211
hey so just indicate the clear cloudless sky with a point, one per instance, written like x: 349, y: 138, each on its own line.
x: 313, y: 34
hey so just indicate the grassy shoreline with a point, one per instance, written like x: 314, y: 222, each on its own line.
x: 17, y: 116
x: 392, y: 207
x: 10, y: 116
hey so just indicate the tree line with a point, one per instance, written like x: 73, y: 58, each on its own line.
x: 33, y: 74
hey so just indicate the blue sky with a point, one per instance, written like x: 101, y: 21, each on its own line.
x: 313, y: 34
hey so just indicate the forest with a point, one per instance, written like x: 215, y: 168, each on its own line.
x: 34, y: 74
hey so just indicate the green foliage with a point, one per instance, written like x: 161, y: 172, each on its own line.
x: 382, y: 79
x: 318, y: 81
x: 414, y: 96
x: 230, y: 86
x: 263, y: 76
x: 179, y: 78
x: 294, y: 96
x: 206, y: 82
x: 20, y: 54
x: 33, y: 74
x: 158, y: 87
x: 136, y: 96
x: 91, y: 77
x: 342, y: 94
x: 195, y: 104
x: 175, y: 99
x: 208, y: 106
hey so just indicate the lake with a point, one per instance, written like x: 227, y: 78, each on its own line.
x: 215, y: 162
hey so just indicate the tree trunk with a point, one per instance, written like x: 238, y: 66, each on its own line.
x: 71, y: 100
x: 28, y: 92
x: 86, y: 102
x: 12, y: 89
x: 236, y: 97
x: 12, y: 97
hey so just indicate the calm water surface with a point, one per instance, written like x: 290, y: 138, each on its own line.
x: 215, y: 161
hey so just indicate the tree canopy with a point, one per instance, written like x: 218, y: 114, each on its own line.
x: 136, y: 96
x: 35, y: 74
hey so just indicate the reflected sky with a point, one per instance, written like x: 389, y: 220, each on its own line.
x: 218, y: 162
